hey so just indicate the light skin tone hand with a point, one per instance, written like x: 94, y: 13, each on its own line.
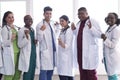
x: 73, y: 26
x: 89, y: 24
x: 13, y: 36
x: 43, y: 27
x: 56, y: 23
x: 61, y: 43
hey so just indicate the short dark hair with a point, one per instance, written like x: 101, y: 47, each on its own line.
x: 47, y: 8
x: 82, y: 9
x: 65, y: 18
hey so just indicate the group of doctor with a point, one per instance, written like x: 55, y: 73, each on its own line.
x: 60, y: 45
x: 87, y: 33
x: 18, y: 49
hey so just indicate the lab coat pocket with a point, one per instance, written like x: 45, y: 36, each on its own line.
x: 93, y: 55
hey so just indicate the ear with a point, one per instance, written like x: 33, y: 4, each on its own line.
x: 106, y: 19
x: 43, y: 14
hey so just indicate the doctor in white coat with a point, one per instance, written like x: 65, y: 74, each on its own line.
x: 24, y: 44
x: 10, y: 48
x: 111, y: 50
x: 1, y: 61
x: 45, y: 33
x: 65, y: 59
x: 27, y: 44
x: 87, y: 32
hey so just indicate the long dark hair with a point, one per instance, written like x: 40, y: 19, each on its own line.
x: 4, y: 17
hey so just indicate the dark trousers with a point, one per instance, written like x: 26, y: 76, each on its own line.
x: 0, y: 76
x: 88, y: 74
x: 66, y: 77
x: 85, y: 74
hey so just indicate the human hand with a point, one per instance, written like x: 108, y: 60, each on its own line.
x: 43, y: 27
x: 103, y: 36
x: 61, y: 43
x: 26, y: 33
x: 89, y: 24
x: 35, y: 41
x: 56, y: 23
x: 73, y: 26
x: 13, y: 36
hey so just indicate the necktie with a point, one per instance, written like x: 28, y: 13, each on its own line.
x: 53, y: 42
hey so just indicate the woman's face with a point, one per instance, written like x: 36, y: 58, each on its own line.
x: 111, y: 20
x: 63, y: 22
x: 9, y: 19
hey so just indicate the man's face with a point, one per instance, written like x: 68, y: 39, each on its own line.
x: 48, y: 15
x: 82, y: 15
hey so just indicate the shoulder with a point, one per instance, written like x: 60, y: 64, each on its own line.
x: 117, y: 29
x: 39, y: 24
x: 69, y: 31
x: 21, y: 29
x: 78, y: 23
x: 93, y: 20
x: 51, y: 21
x: 5, y: 28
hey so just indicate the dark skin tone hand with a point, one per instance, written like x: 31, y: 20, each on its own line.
x: 103, y: 37
x: 26, y: 33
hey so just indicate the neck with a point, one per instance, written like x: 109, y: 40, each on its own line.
x: 27, y: 26
x: 10, y: 25
x: 85, y: 18
x: 48, y: 21
x: 66, y: 26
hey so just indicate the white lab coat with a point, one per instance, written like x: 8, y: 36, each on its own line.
x: 8, y: 67
x: 90, y: 56
x: 65, y: 56
x: 25, y: 50
x: 1, y: 61
x: 112, y: 50
x: 45, y: 45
